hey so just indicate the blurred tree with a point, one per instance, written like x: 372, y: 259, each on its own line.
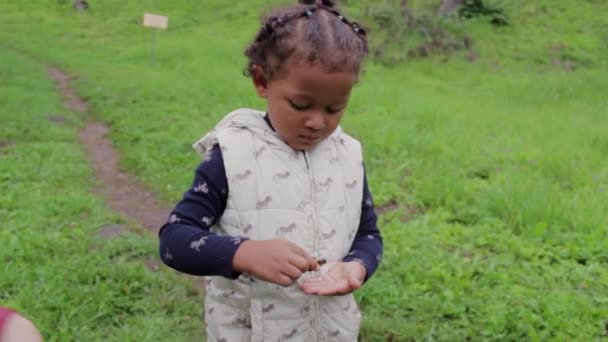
x: 479, y: 8
x: 81, y: 5
x: 448, y: 6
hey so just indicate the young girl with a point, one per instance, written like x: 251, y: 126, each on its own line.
x: 279, y: 215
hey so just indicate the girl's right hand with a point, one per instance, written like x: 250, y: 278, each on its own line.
x: 277, y: 261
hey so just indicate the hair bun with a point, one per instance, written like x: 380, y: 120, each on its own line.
x: 326, y: 3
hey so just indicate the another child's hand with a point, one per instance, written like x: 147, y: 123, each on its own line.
x: 277, y: 261
x: 343, y: 278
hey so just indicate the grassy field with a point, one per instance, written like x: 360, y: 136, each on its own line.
x: 494, y: 174
x: 55, y: 267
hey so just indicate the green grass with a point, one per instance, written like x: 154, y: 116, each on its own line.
x: 55, y: 268
x: 498, y: 167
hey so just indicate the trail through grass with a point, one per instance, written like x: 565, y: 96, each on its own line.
x: 55, y: 268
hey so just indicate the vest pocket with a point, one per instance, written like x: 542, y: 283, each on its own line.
x: 331, y: 319
x: 288, y: 330
x: 340, y: 327
x: 226, y: 323
x: 340, y: 319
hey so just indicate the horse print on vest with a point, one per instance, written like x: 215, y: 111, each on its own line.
x: 334, y: 333
x: 287, y: 229
x: 281, y: 176
x: 324, y: 186
x: 352, y: 184
x: 329, y: 235
x: 268, y: 309
x: 247, y: 228
x: 229, y: 294
x: 340, y: 141
x: 241, y: 323
x: 259, y: 152
x: 303, y: 204
x: 310, y: 219
x: 289, y: 336
x: 263, y: 203
x: 243, y: 176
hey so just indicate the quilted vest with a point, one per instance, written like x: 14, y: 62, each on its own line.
x: 312, y: 198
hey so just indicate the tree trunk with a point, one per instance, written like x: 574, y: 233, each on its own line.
x: 407, y: 15
x: 448, y: 6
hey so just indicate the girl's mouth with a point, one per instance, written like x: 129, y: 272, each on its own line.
x: 309, y: 139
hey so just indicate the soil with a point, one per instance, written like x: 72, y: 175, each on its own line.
x: 123, y: 192
x: 125, y: 195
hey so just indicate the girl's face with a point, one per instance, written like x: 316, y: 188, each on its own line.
x: 305, y: 104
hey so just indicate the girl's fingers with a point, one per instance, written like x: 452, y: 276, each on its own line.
x: 312, y: 282
x: 355, y: 283
x: 284, y: 280
x: 312, y: 288
x: 338, y: 281
x: 323, y: 286
x: 300, y: 263
x: 312, y: 262
x: 292, y: 272
x: 299, y: 250
x: 333, y: 289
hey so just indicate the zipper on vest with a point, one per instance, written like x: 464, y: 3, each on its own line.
x: 315, y: 304
x: 307, y: 164
x: 312, y: 199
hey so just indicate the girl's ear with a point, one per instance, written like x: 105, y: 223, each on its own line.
x: 260, y: 82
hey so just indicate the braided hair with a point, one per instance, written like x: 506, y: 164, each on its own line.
x: 312, y: 32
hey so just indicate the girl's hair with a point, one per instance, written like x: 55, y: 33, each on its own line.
x: 312, y: 32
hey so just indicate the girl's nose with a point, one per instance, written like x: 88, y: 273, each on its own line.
x: 315, y: 122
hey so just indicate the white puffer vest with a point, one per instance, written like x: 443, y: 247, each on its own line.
x: 311, y: 198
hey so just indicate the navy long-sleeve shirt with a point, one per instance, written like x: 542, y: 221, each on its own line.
x: 188, y: 245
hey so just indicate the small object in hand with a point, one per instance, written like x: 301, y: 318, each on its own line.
x: 320, y: 262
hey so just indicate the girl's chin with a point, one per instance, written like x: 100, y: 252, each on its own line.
x: 302, y: 146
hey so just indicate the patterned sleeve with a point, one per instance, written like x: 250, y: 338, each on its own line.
x: 367, y: 246
x: 186, y: 243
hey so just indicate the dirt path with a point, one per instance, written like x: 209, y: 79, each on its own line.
x: 125, y: 195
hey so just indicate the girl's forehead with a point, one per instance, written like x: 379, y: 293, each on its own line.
x: 307, y: 77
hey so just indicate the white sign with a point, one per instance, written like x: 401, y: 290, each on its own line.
x: 156, y: 21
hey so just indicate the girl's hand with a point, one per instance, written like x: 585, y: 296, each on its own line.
x: 277, y: 261
x: 343, y: 278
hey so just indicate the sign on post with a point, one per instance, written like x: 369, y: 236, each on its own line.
x: 156, y: 22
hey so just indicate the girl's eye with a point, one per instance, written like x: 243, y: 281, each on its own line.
x: 334, y: 110
x: 297, y: 106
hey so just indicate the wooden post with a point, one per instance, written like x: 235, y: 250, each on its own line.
x: 156, y: 22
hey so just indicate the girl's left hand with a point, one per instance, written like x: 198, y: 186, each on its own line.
x: 343, y: 278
